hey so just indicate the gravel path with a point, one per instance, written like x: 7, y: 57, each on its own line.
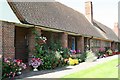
x: 57, y: 73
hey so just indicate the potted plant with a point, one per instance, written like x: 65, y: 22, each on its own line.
x: 35, y: 62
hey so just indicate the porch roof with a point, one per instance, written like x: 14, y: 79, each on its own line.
x: 54, y: 15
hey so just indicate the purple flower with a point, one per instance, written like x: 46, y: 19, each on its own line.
x: 73, y: 51
x: 78, y: 51
x: 35, y: 62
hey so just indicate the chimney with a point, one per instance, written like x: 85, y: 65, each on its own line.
x: 116, y: 28
x: 89, y: 11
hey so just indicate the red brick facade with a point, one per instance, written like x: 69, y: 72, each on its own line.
x: 64, y: 40
x: 8, y: 30
x: 1, y: 52
x: 8, y: 35
x: 80, y: 43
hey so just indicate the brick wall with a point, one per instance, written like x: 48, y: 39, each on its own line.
x: 1, y: 40
x: 89, y: 11
x: 8, y: 30
x: 80, y: 43
x: 31, y: 40
x: 116, y: 28
x: 64, y: 40
x: 1, y: 50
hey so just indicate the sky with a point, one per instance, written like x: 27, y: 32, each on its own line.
x: 104, y: 11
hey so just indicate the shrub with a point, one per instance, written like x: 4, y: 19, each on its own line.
x: 52, y: 54
x: 109, y: 51
x: 101, y: 53
x: 11, y: 67
x: 82, y: 57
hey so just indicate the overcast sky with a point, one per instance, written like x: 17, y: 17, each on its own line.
x: 104, y: 11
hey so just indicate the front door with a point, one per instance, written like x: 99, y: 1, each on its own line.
x: 73, y: 43
x: 21, y: 48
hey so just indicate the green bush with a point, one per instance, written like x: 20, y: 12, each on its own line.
x: 51, y: 61
x: 52, y: 53
x: 82, y: 57
x: 9, y: 70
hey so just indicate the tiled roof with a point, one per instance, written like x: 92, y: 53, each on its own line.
x: 109, y: 33
x: 54, y: 15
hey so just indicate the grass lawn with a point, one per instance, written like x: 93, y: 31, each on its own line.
x: 104, y: 70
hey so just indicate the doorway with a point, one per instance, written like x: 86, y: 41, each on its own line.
x: 21, y: 46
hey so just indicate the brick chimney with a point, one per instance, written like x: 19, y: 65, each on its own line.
x: 116, y: 28
x: 89, y: 11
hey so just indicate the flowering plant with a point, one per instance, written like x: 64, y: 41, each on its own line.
x: 101, y: 52
x: 74, y: 51
x: 20, y: 63
x: 35, y: 62
x: 109, y: 51
x: 12, y: 67
x: 43, y: 38
x: 101, y: 49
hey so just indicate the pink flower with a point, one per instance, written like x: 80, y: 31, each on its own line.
x: 78, y: 51
x: 73, y: 51
x: 101, y: 49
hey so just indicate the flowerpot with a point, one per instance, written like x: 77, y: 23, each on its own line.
x: 35, y: 68
x: 19, y: 73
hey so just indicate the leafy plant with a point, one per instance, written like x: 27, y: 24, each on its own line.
x: 82, y: 57
x: 101, y: 52
x: 11, y: 67
x: 52, y: 54
x: 109, y: 51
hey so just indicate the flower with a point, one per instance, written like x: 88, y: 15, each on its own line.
x: 20, y: 63
x: 73, y: 51
x: 43, y: 38
x: 12, y: 67
x: 35, y: 62
x: 78, y: 51
x: 101, y: 49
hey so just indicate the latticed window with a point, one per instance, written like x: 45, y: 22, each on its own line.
x: 107, y: 44
x: 95, y: 43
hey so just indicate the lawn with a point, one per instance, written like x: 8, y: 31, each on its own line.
x: 104, y: 70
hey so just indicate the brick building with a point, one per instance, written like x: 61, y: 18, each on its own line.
x: 54, y: 19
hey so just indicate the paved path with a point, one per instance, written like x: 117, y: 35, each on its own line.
x: 57, y: 73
